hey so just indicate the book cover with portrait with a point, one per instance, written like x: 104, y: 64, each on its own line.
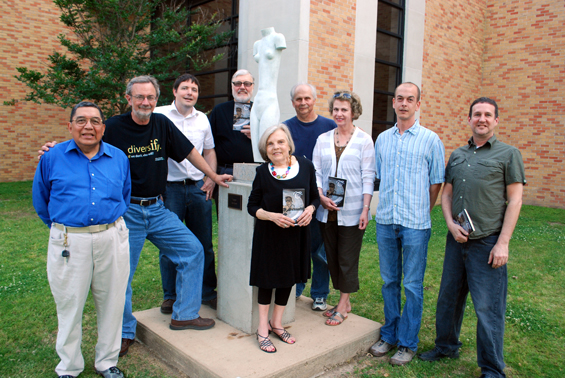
x: 241, y: 114
x: 293, y: 202
x: 336, y: 190
x: 463, y: 219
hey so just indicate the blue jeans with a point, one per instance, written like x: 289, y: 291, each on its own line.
x: 402, y: 250
x: 320, y: 276
x: 466, y: 269
x: 166, y: 231
x: 189, y: 203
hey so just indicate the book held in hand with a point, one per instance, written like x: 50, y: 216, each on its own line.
x: 464, y: 220
x: 293, y: 203
x: 336, y: 190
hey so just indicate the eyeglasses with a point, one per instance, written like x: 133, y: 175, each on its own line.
x: 82, y: 121
x: 239, y: 83
x: 344, y: 95
x: 141, y: 98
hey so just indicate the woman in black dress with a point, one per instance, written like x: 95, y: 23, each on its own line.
x: 281, y: 243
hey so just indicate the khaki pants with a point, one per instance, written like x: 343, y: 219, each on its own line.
x: 100, y: 262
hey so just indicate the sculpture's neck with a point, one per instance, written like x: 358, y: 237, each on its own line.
x: 266, y: 32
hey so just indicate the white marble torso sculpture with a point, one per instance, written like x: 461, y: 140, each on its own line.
x: 265, y: 111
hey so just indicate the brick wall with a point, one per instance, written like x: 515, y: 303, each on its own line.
x: 451, y: 79
x: 28, y: 30
x: 331, y: 48
x: 524, y: 70
x: 514, y: 52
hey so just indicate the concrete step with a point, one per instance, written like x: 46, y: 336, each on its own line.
x: 224, y: 351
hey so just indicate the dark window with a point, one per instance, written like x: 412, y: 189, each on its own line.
x: 215, y: 80
x: 388, y: 62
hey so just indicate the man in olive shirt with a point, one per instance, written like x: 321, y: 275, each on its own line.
x: 486, y: 179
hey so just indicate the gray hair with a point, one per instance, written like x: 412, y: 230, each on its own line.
x: 142, y: 80
x: 268, y: 133
x: 242, y: 72
x: 293, y: 90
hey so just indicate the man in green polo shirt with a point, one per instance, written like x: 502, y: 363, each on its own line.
x: 484, y: 178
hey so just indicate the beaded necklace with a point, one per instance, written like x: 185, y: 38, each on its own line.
x: 274, y: 173
x: 337, y: 138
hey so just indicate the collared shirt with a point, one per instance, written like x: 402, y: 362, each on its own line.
x: 479, y: 177
x: 196, y: 128
x: 407, y: 166
x: 356, y: 165
x: 71, y: 189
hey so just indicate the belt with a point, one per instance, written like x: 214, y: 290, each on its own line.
x: 88, y: 229
x: 145, y: 202
x: 183, y: 182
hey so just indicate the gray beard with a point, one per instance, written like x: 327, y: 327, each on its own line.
x: 142, y: 116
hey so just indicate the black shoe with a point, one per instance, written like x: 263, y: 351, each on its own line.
x: 213, y: 303
x: 436, y: 355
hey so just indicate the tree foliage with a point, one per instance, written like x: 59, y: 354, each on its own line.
x: 115, y: 40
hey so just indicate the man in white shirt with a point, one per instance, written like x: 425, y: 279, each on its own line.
x: 188, y: 195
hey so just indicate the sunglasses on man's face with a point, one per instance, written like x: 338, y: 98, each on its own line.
x: 238, y: 84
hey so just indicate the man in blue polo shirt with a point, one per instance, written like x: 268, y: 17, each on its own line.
x: 305, y: 128
x: 410, y: 162
x: 81, y: 190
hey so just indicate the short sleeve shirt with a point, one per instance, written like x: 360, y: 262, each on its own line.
x: 479, y: 177
x: 147, y: 147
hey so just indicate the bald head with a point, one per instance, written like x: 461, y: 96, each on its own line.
x: 408, y: 84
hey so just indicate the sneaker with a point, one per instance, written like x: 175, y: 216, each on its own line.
x: 402, y: 356
x: 380, y: 348
x: 112, y: 372
x: 319, y: 304
x: 436, y: 355
x: 66, y: 376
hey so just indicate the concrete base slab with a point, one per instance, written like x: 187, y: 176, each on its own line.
x: 224, y: 351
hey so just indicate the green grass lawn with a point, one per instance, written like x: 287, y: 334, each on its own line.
x: 535, y: 319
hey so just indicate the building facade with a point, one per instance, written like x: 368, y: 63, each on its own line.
x: 456, y: 50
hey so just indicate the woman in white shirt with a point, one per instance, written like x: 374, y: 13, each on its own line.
x: 345, y: 153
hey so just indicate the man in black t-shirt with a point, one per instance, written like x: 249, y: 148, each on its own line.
x: 148, y: 140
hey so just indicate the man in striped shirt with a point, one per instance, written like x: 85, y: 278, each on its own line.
x: 410, y: 162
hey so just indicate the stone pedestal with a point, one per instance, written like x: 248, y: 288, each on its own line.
x: 237, y: 301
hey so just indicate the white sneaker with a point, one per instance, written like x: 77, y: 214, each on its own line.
x: 402, y: 356
x: 380, y: 348
x: 319, y: 304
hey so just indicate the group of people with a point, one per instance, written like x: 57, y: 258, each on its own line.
x: 139, y: 175
x: 484, y: 179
